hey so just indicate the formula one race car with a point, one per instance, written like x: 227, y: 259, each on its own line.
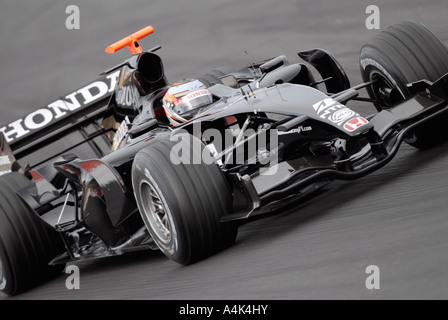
x: 129, y: 162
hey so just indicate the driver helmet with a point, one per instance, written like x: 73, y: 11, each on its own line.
x: 183, y: 101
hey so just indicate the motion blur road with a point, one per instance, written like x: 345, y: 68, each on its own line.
x: 396, y: 218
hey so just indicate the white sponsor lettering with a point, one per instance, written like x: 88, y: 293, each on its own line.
x: 121, y: 133
x: 113, y: 78
x: 98, y: 86
x: 340, y: 115
x: 60, y: 105
x: 330, y: 109
x: 38, y: 119
x: 196, y: 94
x: 14, y: 130
x: 298, y: 130
x: 127, y: 96
x: 60, y: 108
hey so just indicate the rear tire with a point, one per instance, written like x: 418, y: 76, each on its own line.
x: 402, y: 54
x: 26, y: 244
x: 182, y: 204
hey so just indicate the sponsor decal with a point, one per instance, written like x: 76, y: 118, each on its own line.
x: 331, y: 110
x: 60, y: 108
x: 340, y: 115
x: 127, y: 96
x: 178, y: 102
x: 298, y: 130
x: 180, y: 89
x: 198, y: 93
x: 121, y: 134
x: 355, y: 123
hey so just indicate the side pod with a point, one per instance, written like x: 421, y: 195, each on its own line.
x: 99, y: 179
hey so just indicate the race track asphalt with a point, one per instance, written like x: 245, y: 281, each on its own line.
x: 396, y: 218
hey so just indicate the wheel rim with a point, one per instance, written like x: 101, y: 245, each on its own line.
x: 155, y: 211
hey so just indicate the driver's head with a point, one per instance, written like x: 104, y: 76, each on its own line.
x: 183, y: 101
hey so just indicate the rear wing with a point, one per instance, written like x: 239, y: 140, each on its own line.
x: 74, y: 112
x: 78, y: 111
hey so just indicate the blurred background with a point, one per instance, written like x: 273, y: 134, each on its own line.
x: 395, y: 219
x: 41, y: 59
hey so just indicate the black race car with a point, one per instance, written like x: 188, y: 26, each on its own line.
x: 129, y: 162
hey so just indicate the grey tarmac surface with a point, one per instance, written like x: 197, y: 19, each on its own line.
x: 395, y: 218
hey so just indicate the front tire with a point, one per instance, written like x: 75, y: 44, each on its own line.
x: 26, y: 244
x: 402, y: 54
x: 182, y: 204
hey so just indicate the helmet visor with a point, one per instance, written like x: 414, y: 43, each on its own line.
x: 192, y: 101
